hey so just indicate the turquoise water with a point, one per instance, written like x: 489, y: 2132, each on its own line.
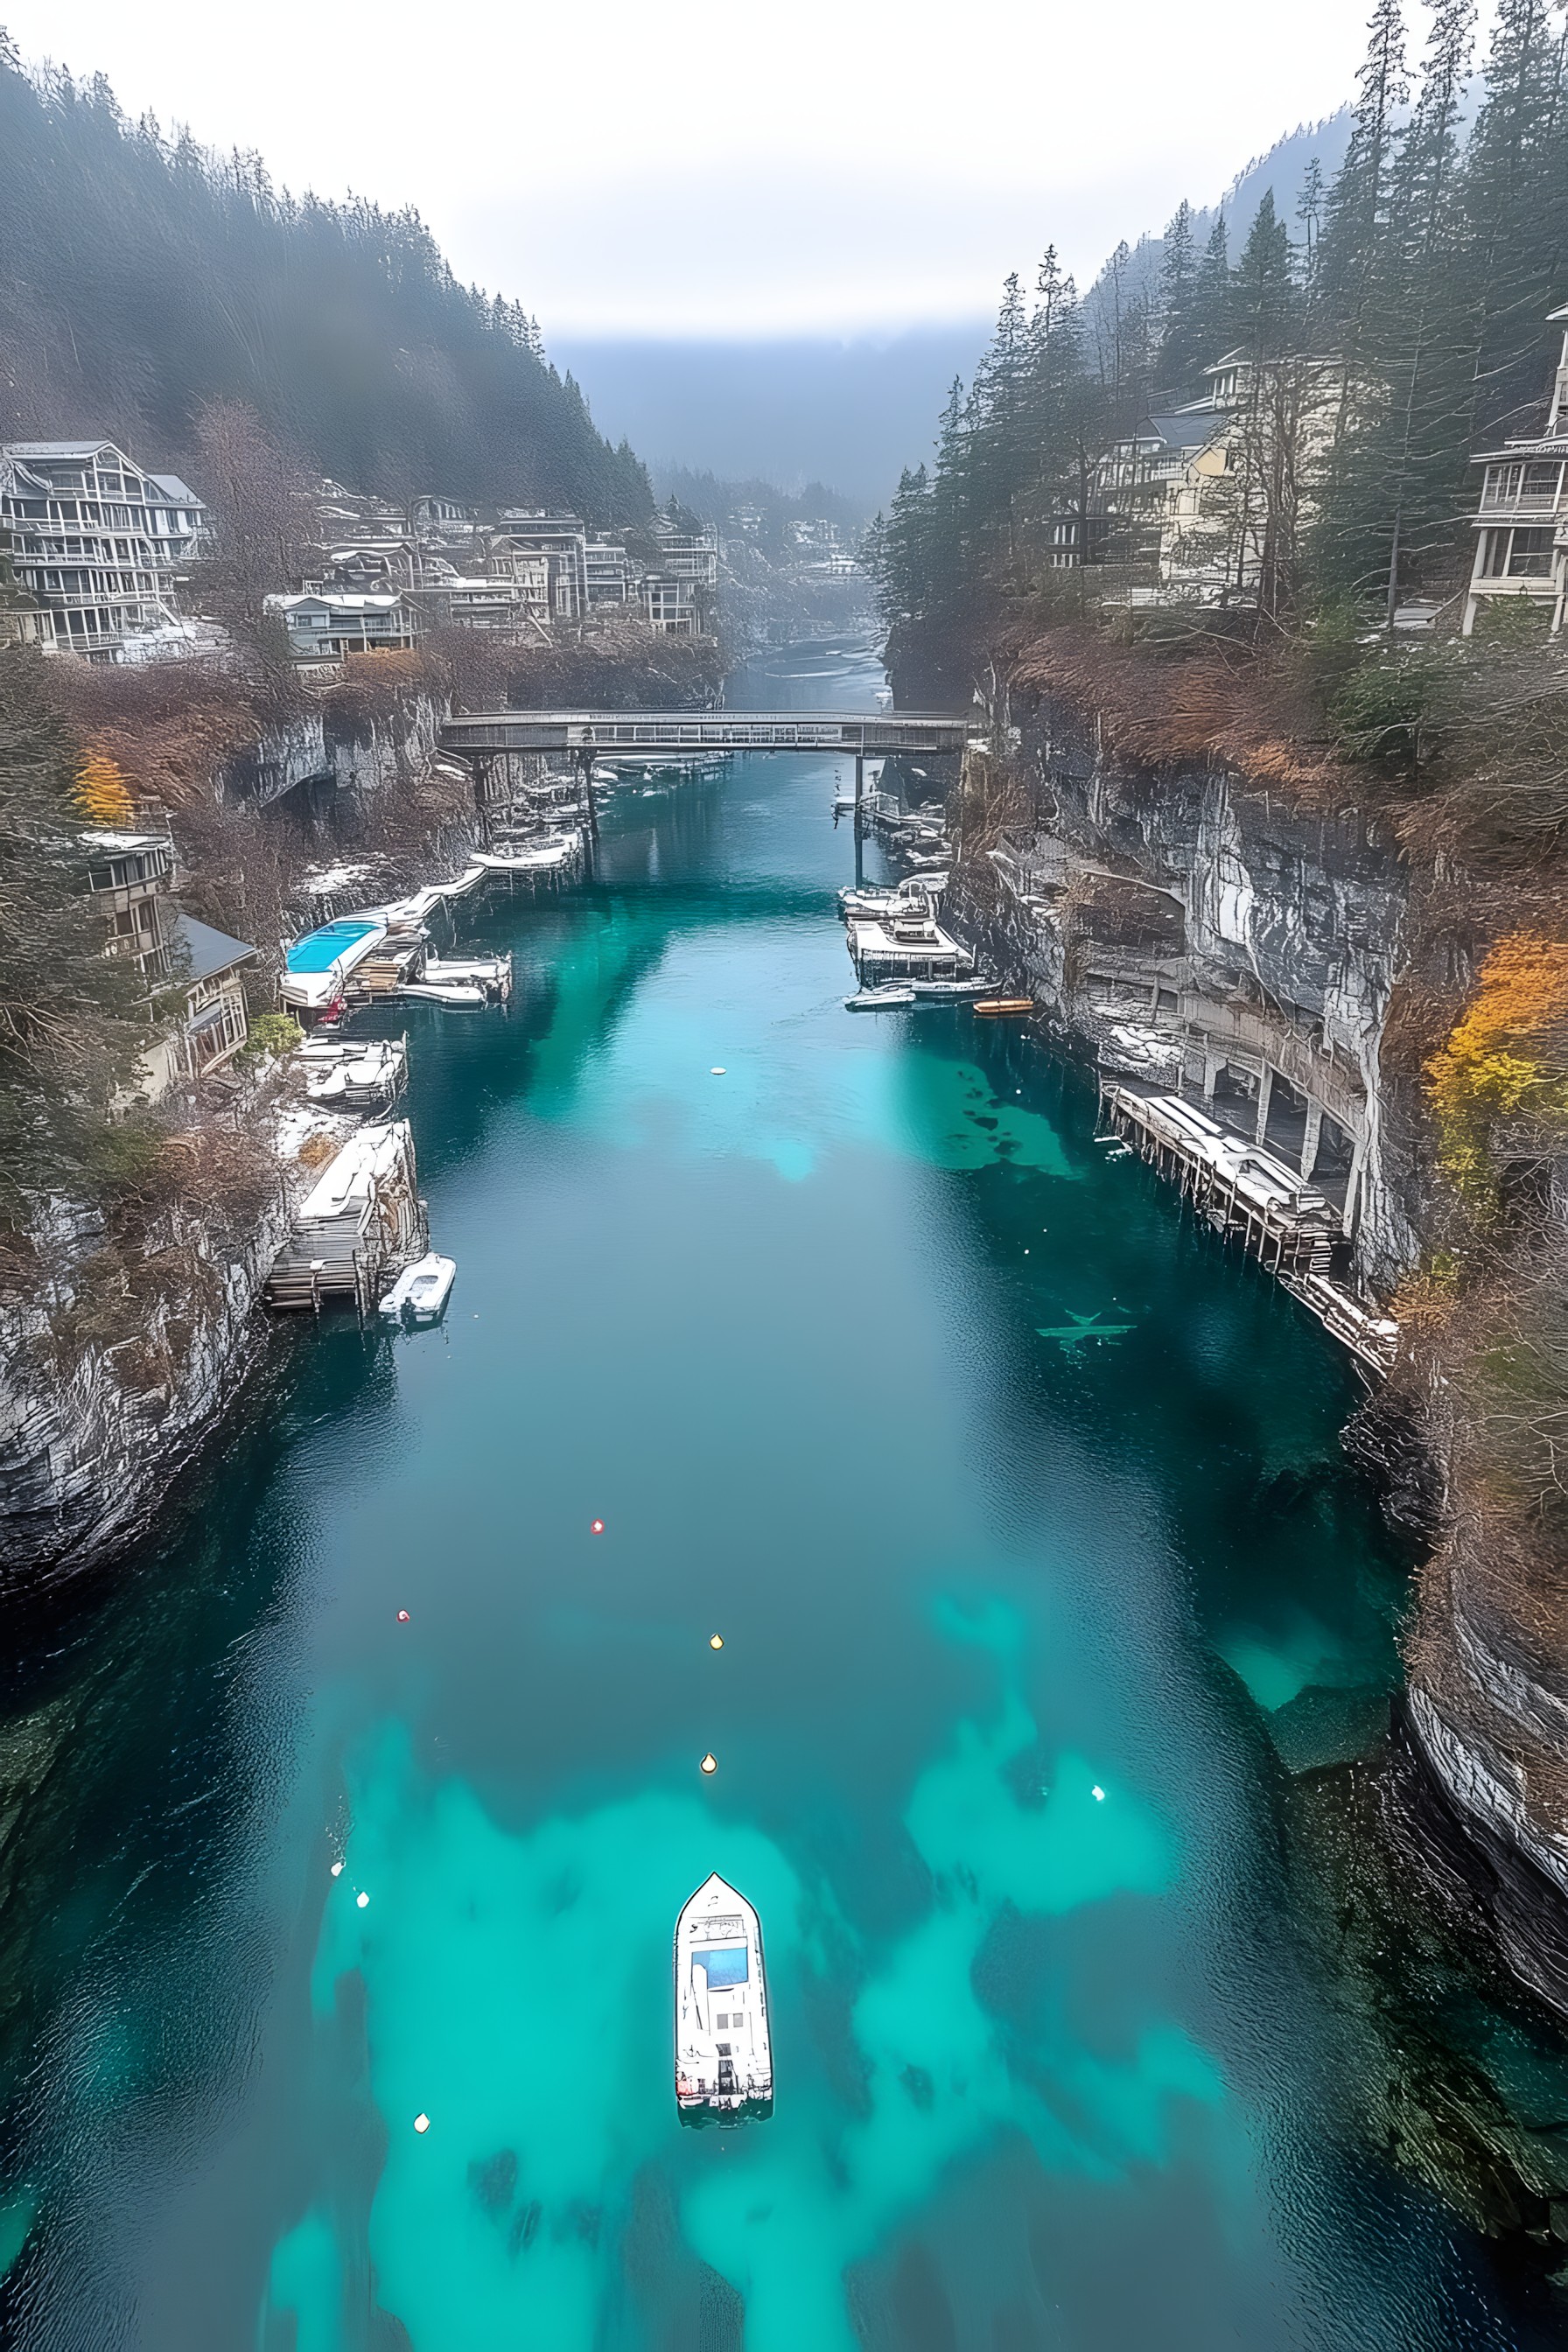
x: 1040, y: 1574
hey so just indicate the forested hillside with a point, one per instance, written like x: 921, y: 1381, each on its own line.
x: 141, y: 276
x: 1384, y: 331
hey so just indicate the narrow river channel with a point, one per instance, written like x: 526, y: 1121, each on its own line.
x: 1021, y: 1511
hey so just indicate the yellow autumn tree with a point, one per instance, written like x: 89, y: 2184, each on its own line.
x: 1503, y: 1059
x: 101, y: 793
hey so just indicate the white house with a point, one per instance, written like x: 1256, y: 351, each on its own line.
x: 97, y: 543
x: 1521, y: 521
x: 324, y: 624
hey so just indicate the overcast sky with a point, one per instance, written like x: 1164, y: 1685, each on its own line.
x: 725, y: 167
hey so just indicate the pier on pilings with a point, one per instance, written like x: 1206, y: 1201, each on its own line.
x: 1247, y: 1195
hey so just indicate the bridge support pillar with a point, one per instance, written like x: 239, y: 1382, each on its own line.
x: 859, y: 820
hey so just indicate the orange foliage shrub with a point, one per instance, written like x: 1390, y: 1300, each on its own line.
x: 1502, y: 1058
x: 100, y: 792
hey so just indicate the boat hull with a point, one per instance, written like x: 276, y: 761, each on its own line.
x: 724, y: 2049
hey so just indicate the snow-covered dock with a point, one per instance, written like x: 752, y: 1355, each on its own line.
x: 1248, y: 1196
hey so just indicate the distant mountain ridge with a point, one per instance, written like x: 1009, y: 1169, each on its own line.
x: 1282, y: 170
x: 849, y: 412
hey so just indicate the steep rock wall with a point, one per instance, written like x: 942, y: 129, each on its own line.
x: 1276, y: 940
x: 92, y: 1433
x: 1280, y: 936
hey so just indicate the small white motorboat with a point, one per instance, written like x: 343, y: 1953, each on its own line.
x: 444, y: 992
x: 961, y: 991
x: 421, y: 1291
x: 723, y: 2053
x: 889, y: 997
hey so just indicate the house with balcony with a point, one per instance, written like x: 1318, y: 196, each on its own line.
x: 98, y: 545
x: 611, y: 575
x: 1521, y: 521
x: 562, y: 541
x: 324, y: 624
x: 129, y: 877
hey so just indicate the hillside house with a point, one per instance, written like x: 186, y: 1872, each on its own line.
x: 129, y: 877
x: 1521, y: 520
x: 324, y: 624
x: 98, y: 544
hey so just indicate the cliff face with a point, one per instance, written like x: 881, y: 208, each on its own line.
x: 1195, y: 933
x: 95, y: 1422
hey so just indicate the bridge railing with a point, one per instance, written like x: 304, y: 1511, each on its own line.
x: 654, y: 730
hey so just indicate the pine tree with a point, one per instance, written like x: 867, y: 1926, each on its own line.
x: 1310, y: 207
x: 1197, y: 336
x: 1178, y: 266
x: 1263, y: 305
x: 1516, y: 190
x: 1397, y: 473
x: 1357, y: 212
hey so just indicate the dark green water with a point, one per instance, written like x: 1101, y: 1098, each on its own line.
x: 1024, y: 1642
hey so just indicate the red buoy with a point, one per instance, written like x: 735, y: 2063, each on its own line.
x: 598, y: 1528
x: 403, y: 1616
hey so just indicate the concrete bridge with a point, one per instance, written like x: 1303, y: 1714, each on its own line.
x: 649, y: 734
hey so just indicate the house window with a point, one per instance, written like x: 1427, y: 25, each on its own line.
x: 1529, y: 554
x: 1541, y: 480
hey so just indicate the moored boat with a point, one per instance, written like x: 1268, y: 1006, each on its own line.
x: 995, y: 1004
x: 950, y: 991
x: 421, y: 1291
x: 890, y: 998
x: 723, y: 2053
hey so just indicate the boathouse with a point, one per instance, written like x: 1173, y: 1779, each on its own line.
x: 361, y: 1220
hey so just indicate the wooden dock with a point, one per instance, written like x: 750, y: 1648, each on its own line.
x: 1249, y: 1196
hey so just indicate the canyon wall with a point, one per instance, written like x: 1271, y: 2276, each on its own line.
x: 1195, y: 933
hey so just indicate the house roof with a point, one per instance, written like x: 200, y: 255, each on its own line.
x: 61, y: 448
x: 335, y: 600
x: 124, y: 845
x: 209, y: 951
x: 181, y: 492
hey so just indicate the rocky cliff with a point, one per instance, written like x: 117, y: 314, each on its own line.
x: 111, y: 1372
x: 1194, y: 932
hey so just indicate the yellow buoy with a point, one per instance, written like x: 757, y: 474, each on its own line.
x: 715, y: 1641
x: 710, y: 1763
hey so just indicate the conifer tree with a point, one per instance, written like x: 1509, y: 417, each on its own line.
x: 1196, y: 338
x: 1516, y: 194
x: 1178, y: 264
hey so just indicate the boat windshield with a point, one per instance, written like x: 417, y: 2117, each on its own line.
x: 726, y: 1965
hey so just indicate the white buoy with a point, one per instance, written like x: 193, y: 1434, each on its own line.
x: 710, y: 1763
x: 421, y: 2123
x: 337, y: 1870
x: 715, y: 1641
x: 362, y: 1900
x: 1098, y: 1795
x: 718, y: 1071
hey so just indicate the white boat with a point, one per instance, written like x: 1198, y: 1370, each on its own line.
x: 420, y: 1293
x: 940, y: 991
x: 918, y: 896
x: 887, y: 999
x: 723, y: 2053
x: 459, y: 993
